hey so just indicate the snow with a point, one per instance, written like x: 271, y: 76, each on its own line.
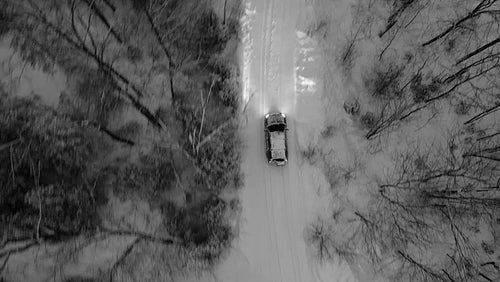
x: 56, y: 262
x: 24, y: 80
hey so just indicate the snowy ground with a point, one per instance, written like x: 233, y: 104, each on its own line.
x: 24, y: 80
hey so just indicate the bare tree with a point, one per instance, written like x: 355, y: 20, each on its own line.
x: 112, y: 51
x: 35, y: 24
x: 398, y: 8
x: 434, y: 193
x: 482, y: 8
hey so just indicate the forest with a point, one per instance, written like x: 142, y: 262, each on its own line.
x: 138, y: 163
x: 423, y: 140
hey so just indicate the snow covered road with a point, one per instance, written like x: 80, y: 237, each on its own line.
x: 272, y: 234
x: 280, y: 73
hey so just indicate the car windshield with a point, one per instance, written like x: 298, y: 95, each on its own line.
x: 276, y: 127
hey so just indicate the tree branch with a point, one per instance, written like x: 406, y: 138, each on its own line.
x: 4, y: 264
x: 491, y: 158
x: 142, y: 236
x: 212, y: 134
x: 108, y: 69
x: 394, y: 17
x: 159, y: 39
x: 479, y: 50
x: 474, y: 13
x: 110, y: 133
x: 18, y: 249
x: 420, y: 266
x: 488, y: 136
x: 483, y: 114
x: 204, y: 107
x: 100, y: 15
x: 110, y: 5
x: 171, y: 65
x: 122, y: 258
x: 8, y: 144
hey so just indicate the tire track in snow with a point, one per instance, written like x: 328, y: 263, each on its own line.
x: 280, y: 213
x: 267, y: 43
x: 277, y: 205
x: 291, y: 226
x: 294, y: 179
x: 269, y: 206
x: 303, y: 268
x: 280, y: 40
x: 266, y: 75
x: 296, y: 266
x: 279, y: 74
x: 263, y: 69
x: 297, y: 227
x: 263, y: 80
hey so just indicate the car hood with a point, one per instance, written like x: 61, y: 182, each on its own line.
x: 276, y: 119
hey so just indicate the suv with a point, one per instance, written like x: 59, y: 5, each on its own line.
x: 276, y: 144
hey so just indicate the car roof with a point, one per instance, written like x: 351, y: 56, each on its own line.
x: 277, y: 140
x: 278, y: 145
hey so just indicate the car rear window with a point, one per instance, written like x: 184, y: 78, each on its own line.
x: 276, y: 127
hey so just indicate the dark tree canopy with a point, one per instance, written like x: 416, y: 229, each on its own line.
x: 45, y: 190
